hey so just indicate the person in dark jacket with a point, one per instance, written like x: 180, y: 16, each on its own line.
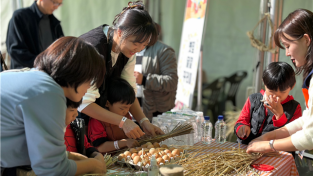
x: 270, y: 109
x: 31, y: 30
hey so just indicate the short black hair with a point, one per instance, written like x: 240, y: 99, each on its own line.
x: 119, y: 90
x: 279, y: 76
x: 72, y: 104
x: 71, y: 62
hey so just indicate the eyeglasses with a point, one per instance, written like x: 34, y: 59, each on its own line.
x: 56, y: 3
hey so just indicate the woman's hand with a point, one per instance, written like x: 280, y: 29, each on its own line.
x: 267, y: 136
x: 259, y: 147
x: 132, y: 130
x: 260, y: 138
x: 150, y: 129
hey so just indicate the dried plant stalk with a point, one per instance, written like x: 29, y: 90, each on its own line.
x: 178, y: 130
x: 231, y: 119
x: 109, y: 160
x: 235, y: 161
x: 231, y: 161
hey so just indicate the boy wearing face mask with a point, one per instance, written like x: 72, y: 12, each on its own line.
x: 270, y: 109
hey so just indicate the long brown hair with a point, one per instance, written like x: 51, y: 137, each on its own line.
x: 71, y: 62
x: 297, y: 24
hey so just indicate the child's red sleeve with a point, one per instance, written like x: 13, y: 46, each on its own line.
x: 70, y: 140
x: 280, y: 122
x: 283, y: 119
x: 244, y: 117
x: 95, y: 130
x: 89, y: 148
x: 87, y: 144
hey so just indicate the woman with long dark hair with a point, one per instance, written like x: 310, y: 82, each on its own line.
x: 33, y: 109
x: 132, y: 30
x: 295, y: 35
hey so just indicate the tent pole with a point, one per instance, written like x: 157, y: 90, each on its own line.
x: 262, y: 36
x: 199, y: 96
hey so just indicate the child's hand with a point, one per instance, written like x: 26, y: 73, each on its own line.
x: 132, y: 143
x: 98, y: 166
x: 274, y: 105
x: 76, y: 156
x: 244, y: 131
x: 100, y: 158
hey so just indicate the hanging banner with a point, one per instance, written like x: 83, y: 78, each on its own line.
x: 189, y: 51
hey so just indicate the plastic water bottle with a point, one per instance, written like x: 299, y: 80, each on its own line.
x: 207, y: 130
x: 220, y: 130
x: 153, y: 169
x: 199, y: 122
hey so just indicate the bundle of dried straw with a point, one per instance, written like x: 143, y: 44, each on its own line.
x: 231, y: 119
x: 231, y: 162
x: 178, y: 130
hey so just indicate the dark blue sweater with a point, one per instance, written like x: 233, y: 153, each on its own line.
x: 23, y: 43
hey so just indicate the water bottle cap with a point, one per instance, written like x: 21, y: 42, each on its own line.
x: 206, y: 117
x: 220, y: 117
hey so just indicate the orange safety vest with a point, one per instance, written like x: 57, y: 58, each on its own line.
x: 305, y: 88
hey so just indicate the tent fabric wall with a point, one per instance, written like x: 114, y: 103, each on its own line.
x: 77, y: 20
x: 226, y: 46
x: 5, y: 15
